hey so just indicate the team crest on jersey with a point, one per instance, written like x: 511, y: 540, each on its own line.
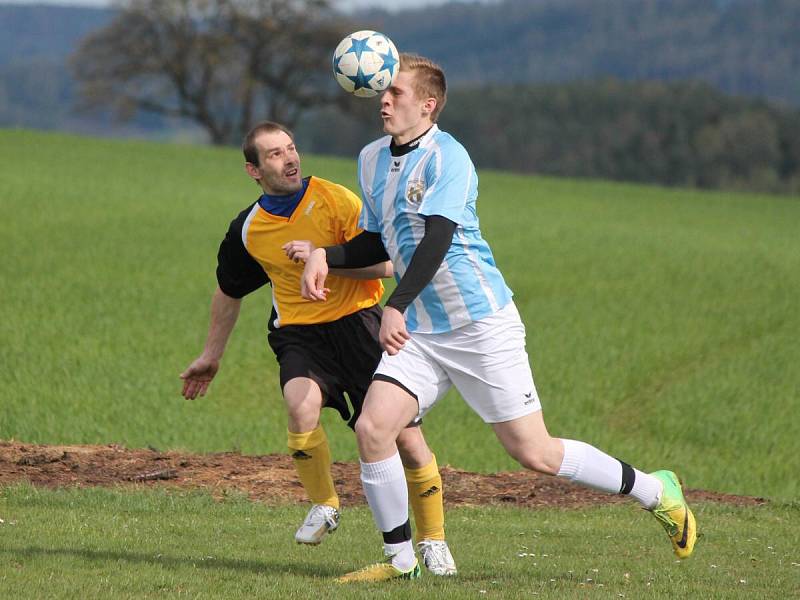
x: 415, y: 190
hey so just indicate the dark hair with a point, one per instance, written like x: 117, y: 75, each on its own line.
x: 249, y: 144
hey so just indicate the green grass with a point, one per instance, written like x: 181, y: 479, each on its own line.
x: 662, y: 324
x: 103, y: 543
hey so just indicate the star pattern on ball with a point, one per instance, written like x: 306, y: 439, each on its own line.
x: 389, y: 61
x: 359, y: 79
x: 380, y: 63
x: 336, y: 61
x: 358, y: 46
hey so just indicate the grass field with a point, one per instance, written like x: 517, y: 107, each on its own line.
x: 110, y: 544
x: 662, y: 324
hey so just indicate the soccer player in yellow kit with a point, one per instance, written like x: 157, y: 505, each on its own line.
x: 325, y: 350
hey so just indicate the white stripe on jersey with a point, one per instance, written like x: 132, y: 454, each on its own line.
x: 399, y: 193
x: 446, y: 287
x: 444, y: 282
x: 246, y: 225
x: 387, y: 213
x: 277, y: 322
x: 487, y: 289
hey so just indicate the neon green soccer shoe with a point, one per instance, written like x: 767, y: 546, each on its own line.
x: 382, y: 571
x: 674, y: 514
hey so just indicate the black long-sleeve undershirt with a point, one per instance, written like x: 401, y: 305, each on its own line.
x: 367, y: 249
x: 364, y: 250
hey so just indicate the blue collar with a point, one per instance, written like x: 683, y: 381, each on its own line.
x: 283, y: 206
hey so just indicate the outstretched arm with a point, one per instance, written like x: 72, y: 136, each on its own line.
x: 364, y: 250
x: 379, y: 271
x: 300, y: 250
x: 198, y: 375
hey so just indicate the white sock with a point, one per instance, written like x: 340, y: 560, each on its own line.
x: 386, y: 491
x: 403, y: 556
x: 593, y: 468
x: 589, y: 466
x: 646, y: 489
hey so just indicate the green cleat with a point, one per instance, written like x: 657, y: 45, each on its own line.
x: 382, y: 571
x: 674, y: 514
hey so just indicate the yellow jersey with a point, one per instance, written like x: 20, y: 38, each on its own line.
x: 251, y: 255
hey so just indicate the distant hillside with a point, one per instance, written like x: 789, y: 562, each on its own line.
x: 36, y: 88
x: 747, y: 47
x: 45, y: 33
x: 675, y: 133
x: 525, y: 58
x: 741, y: 47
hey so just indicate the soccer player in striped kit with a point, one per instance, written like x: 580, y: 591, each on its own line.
x: 451, y: 321
x: 324, y: 351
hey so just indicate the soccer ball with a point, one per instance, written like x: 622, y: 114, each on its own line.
x: 365, y: 63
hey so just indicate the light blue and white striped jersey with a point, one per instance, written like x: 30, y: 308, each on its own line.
x: 436, y: 178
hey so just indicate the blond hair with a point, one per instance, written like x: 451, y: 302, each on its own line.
x: 429, y: 80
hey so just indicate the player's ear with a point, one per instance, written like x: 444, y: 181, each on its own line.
x: 428, y: 107
x: 252, y: 170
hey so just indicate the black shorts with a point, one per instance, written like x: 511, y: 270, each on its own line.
x: 340, y: 357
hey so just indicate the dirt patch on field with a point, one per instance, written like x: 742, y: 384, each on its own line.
x: 272, y: 479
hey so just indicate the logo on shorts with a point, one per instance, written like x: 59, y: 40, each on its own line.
x: 415, y: 190
x: 528, y: 398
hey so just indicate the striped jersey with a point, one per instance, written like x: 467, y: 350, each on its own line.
x: 251, y: 255
x: 398, y: 192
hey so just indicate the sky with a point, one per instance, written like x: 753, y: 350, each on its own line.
x: 345, y: 4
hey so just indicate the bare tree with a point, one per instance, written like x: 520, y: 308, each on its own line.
x: 219, y: 63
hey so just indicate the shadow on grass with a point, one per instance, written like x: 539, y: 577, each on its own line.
x: 267, y: 566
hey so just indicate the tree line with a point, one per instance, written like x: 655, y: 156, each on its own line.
x: 220, y: 65
x: 743, y: 47
x: 684, y: 134
x: 675, y: 134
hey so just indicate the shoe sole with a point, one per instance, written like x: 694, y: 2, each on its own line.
x: 321, y: 537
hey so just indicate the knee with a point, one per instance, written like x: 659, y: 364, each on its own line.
x: 303, y: 414
x: 413, y: 449
x: 409, y: 444
x: 373, y: 435
x: 304, y: 401
x: 367, y: 431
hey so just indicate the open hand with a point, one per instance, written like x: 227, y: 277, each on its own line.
x: 198, y: 376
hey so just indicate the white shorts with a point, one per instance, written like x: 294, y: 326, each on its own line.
x: 485, y: 360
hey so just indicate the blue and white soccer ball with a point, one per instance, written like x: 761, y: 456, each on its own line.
x: 365, y: 63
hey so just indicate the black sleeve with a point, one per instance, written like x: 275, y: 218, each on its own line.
x: 364, y: 250
x: 426, y: 261
x: 238, y: 273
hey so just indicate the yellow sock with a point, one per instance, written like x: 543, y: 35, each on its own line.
x: 312, y: 460
x: 426, y: 496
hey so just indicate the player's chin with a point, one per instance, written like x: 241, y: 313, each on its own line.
x: 294, y: 183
